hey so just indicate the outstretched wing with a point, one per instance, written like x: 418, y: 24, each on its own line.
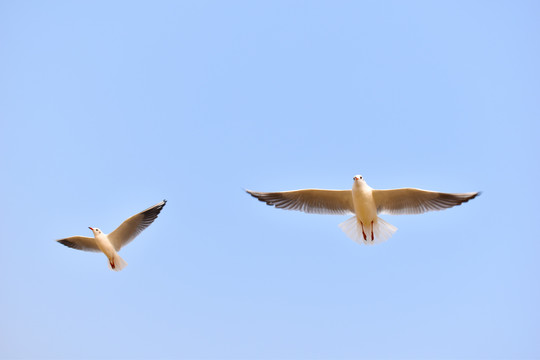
x: 80, y: 243
x: 313, y: 201
x: 416, y: 201
x: 133, y: 226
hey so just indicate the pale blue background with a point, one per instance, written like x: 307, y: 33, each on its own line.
x: 107, y: 107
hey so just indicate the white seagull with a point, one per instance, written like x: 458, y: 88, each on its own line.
x: 109, y: 244
x: 365, y: 203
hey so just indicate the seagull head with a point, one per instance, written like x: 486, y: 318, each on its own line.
x: 95, y: 230
x: 358, y: 178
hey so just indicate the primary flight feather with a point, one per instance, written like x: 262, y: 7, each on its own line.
x: 111, y: 243
x: 365, y: 203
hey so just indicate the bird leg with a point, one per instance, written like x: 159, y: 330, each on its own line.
x: 372, y: 237
x: 112, y: 264
x: 363, y: 233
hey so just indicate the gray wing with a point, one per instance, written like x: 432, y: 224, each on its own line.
x: 80, y: 243
x: 416, y: 201
x: 133, y: 226
x: 313, y: 201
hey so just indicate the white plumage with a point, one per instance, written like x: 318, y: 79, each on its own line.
x: 365, y: 203
x: 111, y: 243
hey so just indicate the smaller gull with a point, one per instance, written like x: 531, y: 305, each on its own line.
x: 111, y: 243
x: 365, y: 203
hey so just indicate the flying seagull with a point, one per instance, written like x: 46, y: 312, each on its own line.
x: 109, y: 244
x: 365, y: 203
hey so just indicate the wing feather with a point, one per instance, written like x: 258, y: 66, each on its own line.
x: 80, y: 243
x: 313, y: 201
x: 133, y: 226
x: 417, y: 201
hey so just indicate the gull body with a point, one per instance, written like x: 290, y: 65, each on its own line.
x: 110, y: 244
x: 106, y: 247
x: 365, y: 203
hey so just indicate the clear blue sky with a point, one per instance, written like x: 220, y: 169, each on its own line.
x: 108, y: 107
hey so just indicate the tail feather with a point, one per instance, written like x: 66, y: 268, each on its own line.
x: 382, y: 231
x: 117, y: 263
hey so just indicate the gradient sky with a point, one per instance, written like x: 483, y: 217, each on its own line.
x: 108, y: 107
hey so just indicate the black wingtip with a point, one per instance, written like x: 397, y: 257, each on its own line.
x: 252, y: 193
x: 69, y: 244
x: 261, y: 198
x: 475, y: 195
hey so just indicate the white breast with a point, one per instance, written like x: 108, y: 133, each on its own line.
x: 364, y: 205
x: 105, y: 245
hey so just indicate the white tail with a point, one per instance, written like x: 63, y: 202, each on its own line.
x: 382, y: 231
x: 117, y: 263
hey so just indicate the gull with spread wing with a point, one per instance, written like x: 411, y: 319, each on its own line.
x: 365, y: 203
x: 111, y: 243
